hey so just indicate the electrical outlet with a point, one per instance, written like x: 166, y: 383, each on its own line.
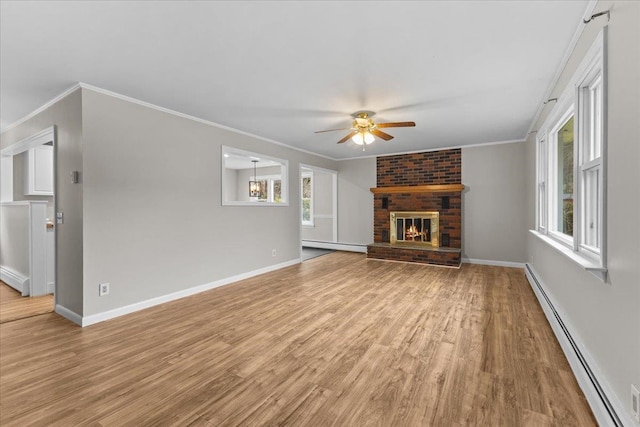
x: 635, y: 402
x: 273, y: 252
x: 103, y: 289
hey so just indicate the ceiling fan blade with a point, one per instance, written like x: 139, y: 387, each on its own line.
x: 330, y: 130
x: 396, y: 125
x: 346, y: 138
x: 381, y: 134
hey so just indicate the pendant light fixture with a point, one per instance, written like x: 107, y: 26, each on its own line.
x: 254, y: 185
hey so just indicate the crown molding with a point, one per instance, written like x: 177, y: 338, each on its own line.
x: 563, y: 63
x: 428, y: 150
x: 43, y: 107
x: 86, y: 86
x: 195, y: 119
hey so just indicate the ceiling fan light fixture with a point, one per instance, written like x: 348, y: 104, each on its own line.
x: 362, y: 138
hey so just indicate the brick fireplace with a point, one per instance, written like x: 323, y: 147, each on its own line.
x: 416, y: 187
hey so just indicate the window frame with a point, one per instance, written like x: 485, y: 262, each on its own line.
x: 562, y: 116
x: 542, y: 177
x: 230, y: 199
x: 577, y: 100
x: 270, y: 179
x: 594, y: 71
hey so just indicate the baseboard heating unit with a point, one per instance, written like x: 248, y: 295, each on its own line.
x: 601, y: 406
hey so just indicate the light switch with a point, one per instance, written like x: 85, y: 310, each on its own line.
x: 59, y: 218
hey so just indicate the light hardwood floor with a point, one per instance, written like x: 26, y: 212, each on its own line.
x: 14, y: 306
x: 338, y: 340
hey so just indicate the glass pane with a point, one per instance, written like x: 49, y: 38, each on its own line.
x: 399, y: 229
x: 306, y: 187
x: 410, y: 229
x: 591, y: 208
x: 263, y: 190
x: 565, y: 178
x: 306, y: 210
x: 277, y: 191
x: 427, y: 229
x: 594, y: 140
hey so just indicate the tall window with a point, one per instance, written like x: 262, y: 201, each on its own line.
x: 306, y: 190
x: 565, y: 147
x: 590, y: 98
x: 570, y: 154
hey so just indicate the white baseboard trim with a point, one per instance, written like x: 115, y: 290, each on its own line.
x: 16, y: 280
x: 350, y: 247
x: 492, y: 262
x: 121, y: 311
x: 606, y: 408
x: 68, y: 314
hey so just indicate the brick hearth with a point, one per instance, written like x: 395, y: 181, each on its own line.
x: 429, y: 181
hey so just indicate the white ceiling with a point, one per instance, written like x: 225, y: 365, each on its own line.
x: 236, y: 161
x: 466, y: 72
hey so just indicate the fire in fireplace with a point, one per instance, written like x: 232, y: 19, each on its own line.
x: 415, y: 228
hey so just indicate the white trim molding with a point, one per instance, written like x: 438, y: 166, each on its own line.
x: 584, y: 262
x: 131, y: 308
x: 492, y: 262
x: 15, y: 280
x: 606, y: 408
x: 430, y: 150
x: 195, y: 119
x: 349, y: 247
x: 563, y: 63
x: 86, y: 86
x: 42, y: 107
x: 68, y: 314
x: 44, y: 136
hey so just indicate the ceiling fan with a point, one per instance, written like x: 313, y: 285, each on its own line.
x: 364, y: 129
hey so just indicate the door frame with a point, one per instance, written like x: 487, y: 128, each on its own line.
x: 334, y: 190
x: 45, y: 136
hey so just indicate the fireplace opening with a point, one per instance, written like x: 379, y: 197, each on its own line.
x: 415, y: 228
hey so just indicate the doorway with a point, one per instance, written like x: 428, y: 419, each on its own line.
x: 318, y: 211
x: 27, y: 226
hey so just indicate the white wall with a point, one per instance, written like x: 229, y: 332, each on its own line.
x: 493, y: 203
x: 154, y: 223
x: 6, y: 179
x: 66, y: 115
x: 355, y: 200
x: 605, y: 316
x: 14, y: 245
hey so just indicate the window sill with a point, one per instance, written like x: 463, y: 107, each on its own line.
x: 256, y: 203
x: 588, y: 264
x: 308, y: 226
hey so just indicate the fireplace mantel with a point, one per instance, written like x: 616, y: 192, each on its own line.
x: 426, y: 182
x: 440, y: 188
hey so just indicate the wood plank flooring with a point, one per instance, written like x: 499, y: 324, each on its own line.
x: 338, y: 340
x: 14, y: 306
